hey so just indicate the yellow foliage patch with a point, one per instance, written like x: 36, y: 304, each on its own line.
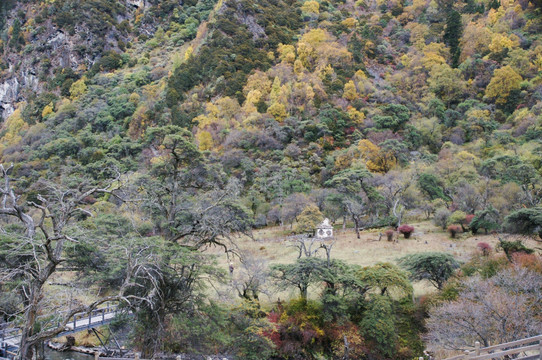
x: 47, y: 110
x: 78, y: 88
x: 311, y: 6
x: 205, y: 140
x: 376, y: 159
x: 349, y: 22
x: 278, y: 111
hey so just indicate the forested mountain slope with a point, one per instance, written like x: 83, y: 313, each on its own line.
x: 450, y: 90
x: 218, y: 117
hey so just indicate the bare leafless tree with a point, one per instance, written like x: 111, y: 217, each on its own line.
x: 503, y: 308
x: 40, y: 249
x: 251, y: 279
x: 304, y: 245
x: 310, y: 247
x: 392, y: 186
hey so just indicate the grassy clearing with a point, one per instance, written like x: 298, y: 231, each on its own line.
x: 272, y: 246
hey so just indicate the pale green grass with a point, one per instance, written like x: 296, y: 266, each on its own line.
x: 273, y: 247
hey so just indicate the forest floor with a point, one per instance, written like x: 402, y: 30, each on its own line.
x: 273, y: 246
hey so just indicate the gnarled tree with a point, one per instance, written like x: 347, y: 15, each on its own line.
x: 31, y: 254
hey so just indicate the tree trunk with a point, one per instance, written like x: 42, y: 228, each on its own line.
x: 304, y: 293
x: 346, y: 349
x: 399, y: 216
x: 26, y: 348
x: 356, y: 226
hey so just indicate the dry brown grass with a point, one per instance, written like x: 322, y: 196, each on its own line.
x: 273, y: 246
x: 86, y: 338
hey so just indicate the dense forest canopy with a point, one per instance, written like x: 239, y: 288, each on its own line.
x: 144, y: 132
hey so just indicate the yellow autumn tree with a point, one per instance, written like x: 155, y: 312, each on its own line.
x: 278, y: 111
x: 228, y: 109
x: 475, y: 40
x: 47, y: 110
x: 205, y: 140
x: 134, y: 98
x: 318, y: 48
x: 306, y: 54
x: 139, y: 122
x: 309, y: 218
x: 434, y: 54
x: 350, y: 92
x: 315, y: 36
x: 299, y: 69
x: 360, y: 76
x: 286, y: 53
x: 210, y: 117
x: 12, y: 128
x: 495, y: 15
x: 376, y: 159
x: 349, y: 22
x: 538, y: 62
x: 311, y: 7
x: 505, y: 80
x: 252, y: 98
x: 275, y: 90
x: 260, y: 82
x: 188, y: 53
x: 78, y: 88
x: 355, y: 115
x: 501, y: 42
x: 418, y: 34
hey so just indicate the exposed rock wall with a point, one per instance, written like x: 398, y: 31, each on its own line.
x: 48, y: 47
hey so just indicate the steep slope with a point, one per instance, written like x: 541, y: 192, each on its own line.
x: 285, y: 95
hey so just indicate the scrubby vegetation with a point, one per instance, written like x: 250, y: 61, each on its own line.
x: 196, y: 122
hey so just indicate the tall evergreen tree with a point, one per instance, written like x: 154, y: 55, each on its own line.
x: 452, y: 34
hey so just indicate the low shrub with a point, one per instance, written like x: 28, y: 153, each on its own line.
x: 484, y: 247
x: 454, y: 230
x: 512, y: 247
x: 389, y: 234
x: 406, y: 230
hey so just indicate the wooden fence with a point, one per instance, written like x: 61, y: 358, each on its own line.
x: 525, y: 349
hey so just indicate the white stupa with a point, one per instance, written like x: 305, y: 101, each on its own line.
x: 324, y: 230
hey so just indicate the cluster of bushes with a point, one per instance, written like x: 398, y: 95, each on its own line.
x: 232, y: 51
x: 507, y: 284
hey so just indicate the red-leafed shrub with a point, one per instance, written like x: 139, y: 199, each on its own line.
x: 454, y: 230
x: 530, y: 261
x: 357, y: 348
x: 484, y: 247
x: 389, y: 234
x: 272, y: 333
x: 89, y: 200
x: 406, y: 230
x: 469, y: 218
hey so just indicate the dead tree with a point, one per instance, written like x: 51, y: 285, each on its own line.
x: 251, y: 278
x: 304, y: 246
x: 327, y: 248
x: 42, y: 248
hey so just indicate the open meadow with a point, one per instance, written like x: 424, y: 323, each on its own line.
x: 274, y: 245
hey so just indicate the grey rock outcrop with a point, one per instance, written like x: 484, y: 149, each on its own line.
x: 11, y: 89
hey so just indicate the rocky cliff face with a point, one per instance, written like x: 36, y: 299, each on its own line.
x: 56, y: 42
x: 12, y: 89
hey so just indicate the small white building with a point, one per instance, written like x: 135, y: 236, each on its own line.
x: 324, y: 230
